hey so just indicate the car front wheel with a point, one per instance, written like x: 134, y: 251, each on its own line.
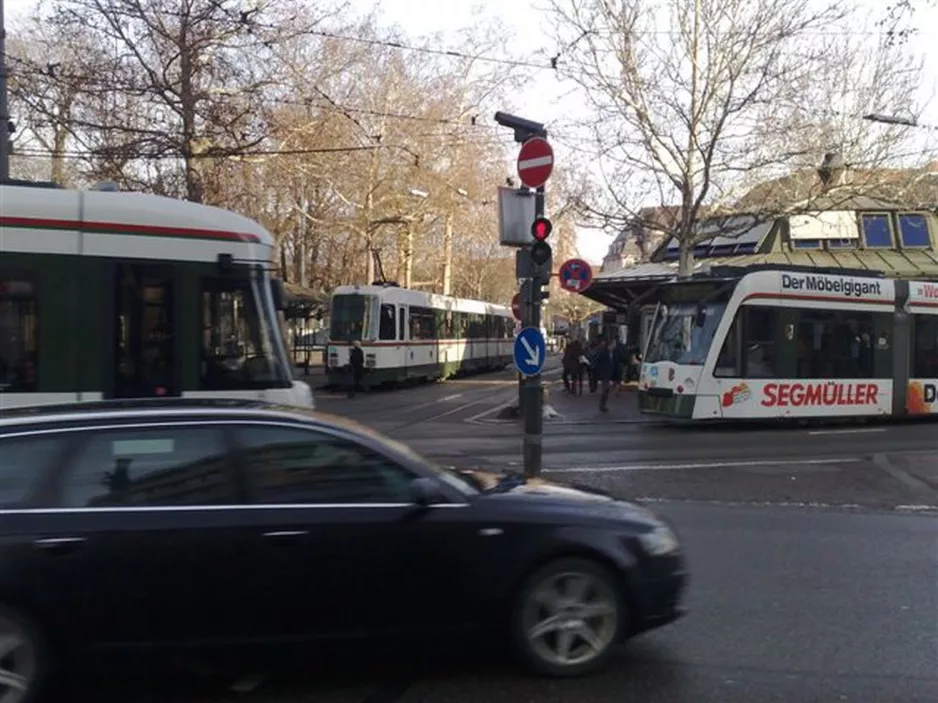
x: 23, y: 661
x: 567, y: 619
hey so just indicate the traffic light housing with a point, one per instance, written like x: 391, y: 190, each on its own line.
x: 541, y: 253
x: 541, y: 229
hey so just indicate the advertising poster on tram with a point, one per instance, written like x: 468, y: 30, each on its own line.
x: 922, y: 397
x: 805, y: 398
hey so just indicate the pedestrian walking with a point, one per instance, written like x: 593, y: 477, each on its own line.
x: 589, y: 360
x: 606, y: 368
x: 356, y: 360
x: 573, y: 367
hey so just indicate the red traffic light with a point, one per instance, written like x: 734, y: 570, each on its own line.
x: 541, y: 228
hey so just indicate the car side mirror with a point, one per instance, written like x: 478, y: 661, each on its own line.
x: 425, y: 492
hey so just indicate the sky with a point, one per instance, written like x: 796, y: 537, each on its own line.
x: 540, y: 100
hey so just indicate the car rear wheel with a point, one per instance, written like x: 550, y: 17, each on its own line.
x: 23, y: 661
x: 567, y: 618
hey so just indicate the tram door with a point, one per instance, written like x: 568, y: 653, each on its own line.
x: 143, y: 333
x: 404, y: 349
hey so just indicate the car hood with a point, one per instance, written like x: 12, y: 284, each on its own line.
x: 503, y: 486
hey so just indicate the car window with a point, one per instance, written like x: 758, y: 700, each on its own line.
x: 287, y: 465
x: 23, y: 460
x: 171, y: 466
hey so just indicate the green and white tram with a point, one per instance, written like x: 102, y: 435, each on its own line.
x: 127, y: 295
x: 792, y: 342
x: 413, y: 335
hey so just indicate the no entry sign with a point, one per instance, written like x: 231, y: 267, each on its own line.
x: 535, y: 162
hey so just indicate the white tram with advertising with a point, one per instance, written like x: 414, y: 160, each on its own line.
x: 792, y: 343
x: 414, y: 335
x: 127, y: 295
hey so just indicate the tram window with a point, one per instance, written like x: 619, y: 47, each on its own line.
x: 19, y: 328
x: 386, y: 327
x: 728, y: 361
x: 877, y: 232
x: 422, y: 323
x: 401, y: 326
x: 443, y: 320
x: 237, y: 340
x: 838, y: 344
x: 760, y: 346
x: 913, y: 230
x: 925, y: 347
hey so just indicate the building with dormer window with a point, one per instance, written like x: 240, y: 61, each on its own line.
x: 890, y: 227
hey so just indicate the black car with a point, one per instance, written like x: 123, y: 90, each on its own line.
x: 185, y: 522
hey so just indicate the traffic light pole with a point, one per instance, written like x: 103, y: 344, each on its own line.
x: 532, y: 392
x: 530, y: 388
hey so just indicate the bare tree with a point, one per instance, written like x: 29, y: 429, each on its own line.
x: 681, y: 91
x: 898, y: 21
x: 198, y: 70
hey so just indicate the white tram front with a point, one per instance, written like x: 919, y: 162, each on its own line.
x: 792, y: 343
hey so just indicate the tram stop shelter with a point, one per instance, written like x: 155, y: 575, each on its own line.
x: 854, y: 233
x: 304, y: 315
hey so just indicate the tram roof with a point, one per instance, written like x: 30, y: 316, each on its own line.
x: 618, y: 289
x: 35, y: 207
x: 408, y: 296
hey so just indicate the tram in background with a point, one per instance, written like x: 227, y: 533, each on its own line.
x: 129, y: 295
x: 792, y: 343
x: 414, y: 335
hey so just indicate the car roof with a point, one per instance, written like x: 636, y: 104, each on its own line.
x: 70, y: 414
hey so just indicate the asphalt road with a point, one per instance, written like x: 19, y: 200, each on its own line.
x: 880, y: 466
x: 787, y: 605
x: 814, y: 559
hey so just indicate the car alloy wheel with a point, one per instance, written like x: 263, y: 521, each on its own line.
x: 19, y: 659
x: 570, y: 618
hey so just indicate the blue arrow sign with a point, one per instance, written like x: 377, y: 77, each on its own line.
x: 530, y: 351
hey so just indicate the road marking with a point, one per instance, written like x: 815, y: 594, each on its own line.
x: 701, y: 465
x: 860, y: 430
x: 903, y: 477
x: 477, y: 418
x: 451, y: 397
x: 490, y: 411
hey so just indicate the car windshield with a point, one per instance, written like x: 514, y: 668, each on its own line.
x: 683, y: 333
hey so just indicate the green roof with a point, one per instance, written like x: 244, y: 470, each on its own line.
x: 921, y: 264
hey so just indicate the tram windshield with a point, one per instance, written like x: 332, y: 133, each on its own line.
x: 352, y: 317
x: 242, y: 342
x: 683, y: 333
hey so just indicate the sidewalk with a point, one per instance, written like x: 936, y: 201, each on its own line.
x: 316, y: 378
x: 584, y: 409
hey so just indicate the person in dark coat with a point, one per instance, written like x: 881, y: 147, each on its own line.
x: 594, y: 348
x: 606, y: 367
x: 356, y: 360
x: 573, y: 367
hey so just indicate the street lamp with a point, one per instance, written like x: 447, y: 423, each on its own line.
x: 891, y: 119
x: 447, y: 236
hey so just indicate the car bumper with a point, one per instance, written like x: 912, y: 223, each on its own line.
x: 658, y: 596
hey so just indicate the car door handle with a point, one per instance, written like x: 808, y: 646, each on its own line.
x: 59, y: 545
x: 283, y: 536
